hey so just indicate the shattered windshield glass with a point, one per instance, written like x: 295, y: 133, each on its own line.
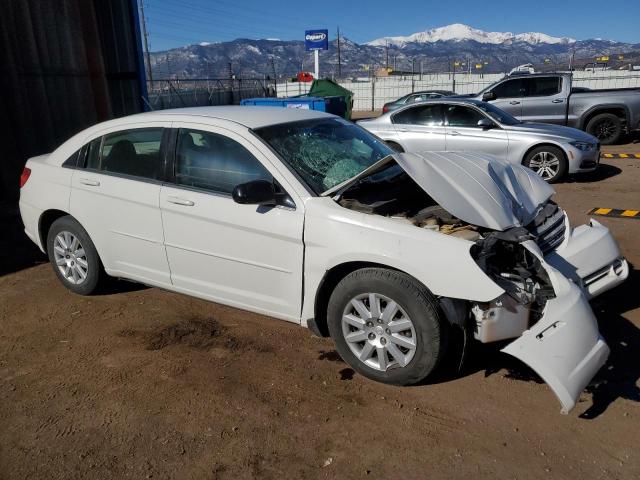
x: 324, y: 152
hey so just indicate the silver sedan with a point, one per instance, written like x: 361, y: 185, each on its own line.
x: 552, y: 151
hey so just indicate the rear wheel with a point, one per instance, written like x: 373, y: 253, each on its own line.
x: 607, y: 127
x: 387, y: 326
x: 548, y: 162
x: 73, y: 256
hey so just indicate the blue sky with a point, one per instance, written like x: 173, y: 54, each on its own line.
x: 174, y: 23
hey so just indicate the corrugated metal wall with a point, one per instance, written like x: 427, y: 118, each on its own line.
x: 64, y: 65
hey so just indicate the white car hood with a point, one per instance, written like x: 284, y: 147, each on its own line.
x: 479, y: 189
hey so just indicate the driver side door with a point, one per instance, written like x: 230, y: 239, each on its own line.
x: 464, y: 134
x: 420, y: 128
x: 510, y: 96
x: 246, y: 256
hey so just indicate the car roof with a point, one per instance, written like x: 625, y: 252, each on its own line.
x: 249, y: 116
x: 447, y: 100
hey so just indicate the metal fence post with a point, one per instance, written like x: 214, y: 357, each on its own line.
x: 373, y: 93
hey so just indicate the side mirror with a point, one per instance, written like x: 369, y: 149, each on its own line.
x: 256, y: 192
x: 488, y: 96
x: 486, y: 124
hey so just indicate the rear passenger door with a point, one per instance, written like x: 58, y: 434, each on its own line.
x: 545, y: 101
x: 245, y: 256
x: 115, y: 197
x: 420, y: 128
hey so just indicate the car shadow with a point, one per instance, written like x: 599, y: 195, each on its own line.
x: 618, y: 378
x: 17, y: 251
x: 603, y: 172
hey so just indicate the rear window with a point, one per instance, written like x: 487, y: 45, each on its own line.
x: 544, y: 86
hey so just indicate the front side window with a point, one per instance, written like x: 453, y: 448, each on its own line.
x: 324, y: 152
x: 510, y: 89
x: 544, y: 86
x: 133, y: 152
x: 214, y: 162
x: 427, y: 115
x: 461, y: 116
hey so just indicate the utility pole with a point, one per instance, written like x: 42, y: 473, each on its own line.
x: 145, y: 36
x: 387, y: 52
x: 339, y: 61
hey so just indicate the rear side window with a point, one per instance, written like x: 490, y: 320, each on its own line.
x: 72, y: 161
x: 214, y: 162
x: 133, y: 152
x: 461, y: 116
x: 429, y: 115
x: 510, y: 89
x: 544, y: 86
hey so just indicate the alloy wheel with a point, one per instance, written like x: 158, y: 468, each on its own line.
x: 545, y: 164
x: 604, y: 129
x: 70, y: 257
x: 379, y: 332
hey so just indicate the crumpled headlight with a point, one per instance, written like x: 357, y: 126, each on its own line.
x: 584, y: 146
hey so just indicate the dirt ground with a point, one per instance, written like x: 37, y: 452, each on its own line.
x: 142, y: 383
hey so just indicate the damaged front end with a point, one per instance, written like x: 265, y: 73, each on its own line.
x: 558, y: 331
x: 523, y: 242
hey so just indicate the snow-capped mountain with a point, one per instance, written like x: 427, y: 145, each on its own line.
x: 458, y: 32
x: 432, y: 50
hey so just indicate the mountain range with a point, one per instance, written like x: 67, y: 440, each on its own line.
x: 433, y: 50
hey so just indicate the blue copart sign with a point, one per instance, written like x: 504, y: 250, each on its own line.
x: 316, y: 40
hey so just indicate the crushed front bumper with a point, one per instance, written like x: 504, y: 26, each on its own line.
x: 591, y: 258
x: 564, y: 347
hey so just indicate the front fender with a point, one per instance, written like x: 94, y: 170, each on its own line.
x: 335, y: 235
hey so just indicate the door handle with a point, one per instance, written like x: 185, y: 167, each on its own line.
x: 88, y: 181
x: 403, y: 130
x: 454, y: 133
x: 180, y: 201
x: 557, y: 100
x: 514, y: 102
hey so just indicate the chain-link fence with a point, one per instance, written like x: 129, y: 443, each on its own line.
x: 175, y: 93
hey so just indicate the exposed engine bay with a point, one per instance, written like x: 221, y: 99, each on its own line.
x: 401, y: 199
x: 500, y: 254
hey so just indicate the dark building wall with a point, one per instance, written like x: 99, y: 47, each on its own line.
x: 64, y: 65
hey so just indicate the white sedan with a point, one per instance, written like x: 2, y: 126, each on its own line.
x: 306, y: 217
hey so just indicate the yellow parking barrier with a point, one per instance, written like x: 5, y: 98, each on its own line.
x: 615, y: 213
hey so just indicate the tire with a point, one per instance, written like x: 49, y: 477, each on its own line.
x: 548, y: 162
x: 606, y: 127
x: 428, y: 331
x: 396, y: 147
x: 76, y: 258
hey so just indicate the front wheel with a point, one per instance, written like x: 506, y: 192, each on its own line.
x: 387, y: 326
x: 73, y: 256
x: 548, y: 162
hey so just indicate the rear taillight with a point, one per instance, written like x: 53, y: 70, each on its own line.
x: 25, y: 176
x: 385, y: 109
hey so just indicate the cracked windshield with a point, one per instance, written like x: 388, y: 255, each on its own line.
x: 325, y: 152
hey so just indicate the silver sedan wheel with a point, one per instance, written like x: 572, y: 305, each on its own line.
x: 379, y: 332
x: 545, y: 164
x: 70, y: 257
